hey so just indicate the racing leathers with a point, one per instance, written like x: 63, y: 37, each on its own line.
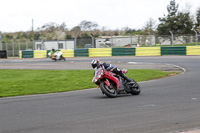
x: 117, y: 71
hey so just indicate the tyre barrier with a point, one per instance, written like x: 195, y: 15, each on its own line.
x: 3, y: 54
x: 103, y: 52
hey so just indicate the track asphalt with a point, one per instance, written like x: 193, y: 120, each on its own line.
x: 168, y: 105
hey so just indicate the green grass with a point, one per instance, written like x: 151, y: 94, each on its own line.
x: 28, y: 82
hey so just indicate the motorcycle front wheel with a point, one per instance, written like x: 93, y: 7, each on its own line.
x: 108, y: 90
x: 54, y: 59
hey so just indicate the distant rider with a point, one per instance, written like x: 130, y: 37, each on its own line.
x: 52, y: 52
x: 108, y: 67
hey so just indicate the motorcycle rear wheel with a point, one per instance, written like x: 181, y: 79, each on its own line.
x: 136, y: 89
x: 63, y: 58
x: 110, y: 92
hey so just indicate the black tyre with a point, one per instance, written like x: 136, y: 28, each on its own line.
x: 135, y: 90
x: 108, y: 91
x: 62, y: 58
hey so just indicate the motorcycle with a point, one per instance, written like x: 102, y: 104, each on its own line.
x: 57, y: 56
x: 111, y: 84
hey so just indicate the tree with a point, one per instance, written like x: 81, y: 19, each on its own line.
x: 53, y: 31
x: 9, y: 36
x: 172, y: 8
x: 31, y: 35
x: 36, y: 36
x: 177, y: 22
x: 197, y: 24
x: 87, y: 25
x: 184, y: 23
x: 18, y: 35
x: 68, y: 36
x: 168, y: 23
x: 128, y: 30
x: 150, y: 27
x: 24, y: 35
x: 76, y: 31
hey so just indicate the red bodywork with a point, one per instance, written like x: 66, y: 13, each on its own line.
x: 101, y: 74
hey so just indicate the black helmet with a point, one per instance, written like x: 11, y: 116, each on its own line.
x: 53, y: 49
x: 95, y: 63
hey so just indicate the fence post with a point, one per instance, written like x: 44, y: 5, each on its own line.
x: 33, y: 43
x: 26, y: 44
x: 1, y: 43
x: 92, y: 40
x: 131, y: 42
x: 112, y: 43
x: 6, y: 47
x: 172, y: 36
x: 196, y: 37
x: 75, y: 42
x: 13, y: 48
x: 18, y: 47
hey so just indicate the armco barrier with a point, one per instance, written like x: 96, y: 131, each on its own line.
x: 40, y: 53
x: 3, y: 54
x: 27, y: 54
x: 81, y: 53
x: 100, y: 52
x: 193, y: 50
x: 123, y: 51
x: 173, y: 50
x: 68, y: 52
x: 147, y: 51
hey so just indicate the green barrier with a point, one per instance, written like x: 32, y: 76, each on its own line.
x: 173, y: 50
x: 81, y: 53
x: 123, y: 51
x: 27, y: 54
x: 48, y: 52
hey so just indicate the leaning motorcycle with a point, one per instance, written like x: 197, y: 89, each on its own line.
x: 58, y: 55
x: 112, y: 85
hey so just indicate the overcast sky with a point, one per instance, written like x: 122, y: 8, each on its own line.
x: 17, y: 15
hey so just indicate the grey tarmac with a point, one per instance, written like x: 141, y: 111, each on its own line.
x: 168, y: 105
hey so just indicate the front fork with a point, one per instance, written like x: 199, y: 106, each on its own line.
x: 107, y: 83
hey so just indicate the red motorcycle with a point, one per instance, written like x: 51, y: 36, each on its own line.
x: 111, y: 84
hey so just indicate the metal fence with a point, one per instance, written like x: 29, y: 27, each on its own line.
x: 13, y: 46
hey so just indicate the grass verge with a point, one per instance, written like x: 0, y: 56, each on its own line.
x: 28, y: 82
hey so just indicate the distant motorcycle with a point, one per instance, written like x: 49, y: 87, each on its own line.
x: 111, y: 84
x: 58, y: 55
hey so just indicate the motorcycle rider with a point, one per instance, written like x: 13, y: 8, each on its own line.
x: 97, y: 64
x: 52, y: 52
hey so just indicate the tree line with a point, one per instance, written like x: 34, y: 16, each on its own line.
x: 178, y: 22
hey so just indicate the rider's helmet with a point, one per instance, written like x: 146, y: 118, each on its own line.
x: 95, y: 63
x: 53, y: 49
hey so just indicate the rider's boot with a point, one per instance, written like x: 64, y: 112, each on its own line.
x: 129, y: 80
x: 126, y: 78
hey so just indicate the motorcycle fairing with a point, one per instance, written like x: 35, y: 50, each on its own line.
x: 111, y: 76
